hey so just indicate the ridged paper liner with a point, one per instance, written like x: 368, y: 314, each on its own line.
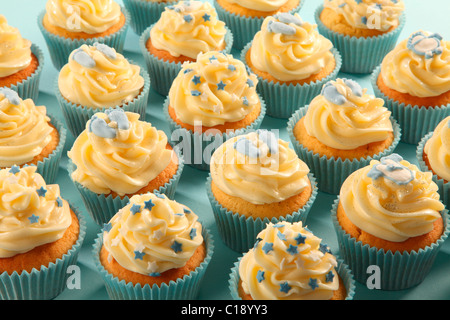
x: 283, y: 100
x: 360, y: 55
x: 162, y: 73
x: 239, y: 232
x: 102, y: 207
x: 330, y: 172
x: 415, y: 121
x: 398, y: 271
x: 186, y: 288
x: 49, y: 281
x: 444, y: 187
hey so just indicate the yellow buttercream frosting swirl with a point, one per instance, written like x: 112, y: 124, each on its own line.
x: 392, y: 199
x: 31, y: 212
x: 289, y: 49
x: 288, y: 262
x: 118, y: 152
x: 259, y: 168
x: 260, y: 5
x: 24, y: 129
x: 89, y: 16
x: 152, y: 234
x: 419, y: 66
x: 213, y: 90
x: 15, y: 52
x: 345, y: 117
x: 97, y: 76
x: 437, y: 149
x: 380, y: 15
x: 188, y: 28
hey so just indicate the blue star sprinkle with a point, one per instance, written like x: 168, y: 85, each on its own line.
x: 250, y: 82
x: 364, y: 20
x: 260, y: 276
x: 188, y: 18
x: 231, y: 67
x: 278, y: 225
x: 245, y: 101
x: 196, y: 93
x: 196, y: 80
x: 267, y: 247
x: 187, y: 70
x: 300, y: 239
x: 135, y: 208
x: 14, y: 169
x: 107, y: 227
x: 212, y: 58
x: 161, y: 196
x: 329, y: 277
x: 193, y: 233
x: 285, y: 287
x: 59, y: 202
x: 258, y: 240
x: 41, y: 192
x: 313, y: 283
x: 221, y: 85
x: 33, y: 218
x: 186, y: 211
x: 206, y: 17
x: 176, y: 247
x: 281, y: 236
x: 324, y: 248
x: 149, y: 204
x: 139, y: 255
x: 292, y: 249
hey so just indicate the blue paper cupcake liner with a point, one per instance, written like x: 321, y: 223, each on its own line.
x: 360, y: 55
x: 29, y: 88
x: 239, y: 232
x: 186, y: 288
x: 162, y: 73
x: 415, y: 121
x: 398, y: 270
x: 283, y: 100
x: 444, y: 187
x: 76, y: 115
x: 244, y: 28
x: 49, y: 281
x: 342, y: 269
x: 60, y: 47
x: 193, y: 145
x: 330, y: 172
x: 102, y: 207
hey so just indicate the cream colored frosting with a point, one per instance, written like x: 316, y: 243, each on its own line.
x: 288, y: 262
x: 357, y: 120
x: 392, y: 199
x: 31, y: 212
x: 188, y: 28
x: 213, y: 90
x: 368, y: 14
x: 437, y: 149
x: 15, y: 52
x: 260, y: 5
x: 89, y: 16
x: 25, y: 129
x: 262, y: 169
x: 123, y: 164
x: 99, y: 80
x: 152, y: 234
x: 290, y: 51
x: 408, y: 72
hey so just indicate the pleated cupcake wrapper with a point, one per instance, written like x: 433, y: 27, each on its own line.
x: 162, y: 73
x: 102, y: 207
x: 415, y: 121
x: 342, y: 269
x: 49, y: 281
x: 444, y: 187
x: 186, y: 288
x: 398, y: 271
x: 60, y: 48
x: 360, y: 55
x: 283, y: 100
x: 76, y: 115
x: 194, y: 144
x: 239, y: 232
x: 330, y: 172
x: 244, y: 28
x: 29, y: 88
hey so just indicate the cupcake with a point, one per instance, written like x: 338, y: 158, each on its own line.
x: 67, y: 24
x: 363, y: 31
x: 388, y: 215
x: 343, y: 129
x: 97, y: 78
x: 292, y: 62
x: 288, y: 262
x: 118, y: 156
x: 183, y: 31
x: 256, y: 179
x: 433, y: 154
x: 21, y: 62
x: 29, y: 136
x: 153, y: 248
x: 245, y: 17
x: 210, y: 101
x: 414, y: 80
x: 40, y: 236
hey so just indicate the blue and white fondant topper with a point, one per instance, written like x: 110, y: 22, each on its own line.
x: 280, y: 27
x: 100, y: 128
x: 118, y: 115
x: 391, y: 168
x: 425, y: 45
x: 248, y: 148
x: 287, y: 18
x: 84, y: 59
x: 332, y: 94
x: 11, y: 96
x: 106, y: 50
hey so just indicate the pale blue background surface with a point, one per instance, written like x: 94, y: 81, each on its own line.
x: 431, y: 15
